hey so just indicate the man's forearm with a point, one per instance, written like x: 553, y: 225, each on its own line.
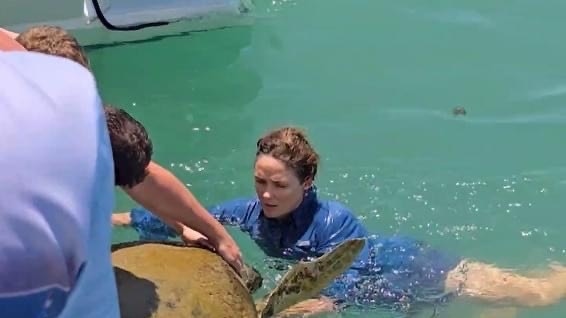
x: 163, y: 194
x: 9, y: 33
x: 8, y: 42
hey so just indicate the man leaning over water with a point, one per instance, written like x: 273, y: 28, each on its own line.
x: 159, y: 191
x: 57, y: 189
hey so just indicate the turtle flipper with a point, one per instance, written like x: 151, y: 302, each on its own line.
x: 307, y: 279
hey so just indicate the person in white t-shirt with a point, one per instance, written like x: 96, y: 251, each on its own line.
x: 56, y: 188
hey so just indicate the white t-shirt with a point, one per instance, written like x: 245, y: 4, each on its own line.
x: 56, y: 191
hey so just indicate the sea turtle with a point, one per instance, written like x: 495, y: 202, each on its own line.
x: 172, y: 280
x: 459, y: 111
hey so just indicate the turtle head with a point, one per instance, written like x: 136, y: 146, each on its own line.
x: 252, y: 278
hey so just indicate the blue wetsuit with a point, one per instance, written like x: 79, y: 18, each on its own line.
x: 397, y: 271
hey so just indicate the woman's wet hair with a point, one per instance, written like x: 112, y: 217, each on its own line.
x: 290, y: 145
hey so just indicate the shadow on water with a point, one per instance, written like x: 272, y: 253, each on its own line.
x: 189, y: 88
x: 137, y: 296
x: 197, y: 68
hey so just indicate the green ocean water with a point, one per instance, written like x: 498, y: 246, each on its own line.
x: 374, y: 84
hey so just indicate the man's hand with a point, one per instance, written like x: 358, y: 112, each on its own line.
x: 231, y: 253
x: 121, y: 219
x: 192, y: 237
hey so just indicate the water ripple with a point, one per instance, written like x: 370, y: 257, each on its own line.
x: 516, y: 209
x: 452, y: 16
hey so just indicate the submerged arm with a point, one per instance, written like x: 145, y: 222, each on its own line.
x: 309, y: 307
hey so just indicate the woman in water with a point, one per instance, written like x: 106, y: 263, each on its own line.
x: 288, y: 220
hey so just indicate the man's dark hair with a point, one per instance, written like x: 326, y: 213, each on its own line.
x: 131, y: 147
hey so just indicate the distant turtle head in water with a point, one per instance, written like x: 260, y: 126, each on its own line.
x: 169, y: 280
x: 459, y: 111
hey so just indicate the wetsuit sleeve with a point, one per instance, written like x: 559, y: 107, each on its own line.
x: 151, y: 227
x: 233, y: 212
x: 338, y: 225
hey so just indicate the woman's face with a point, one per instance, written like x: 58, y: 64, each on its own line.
x: 277, y: 187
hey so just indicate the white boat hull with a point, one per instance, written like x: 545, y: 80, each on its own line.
x: 79, y: 17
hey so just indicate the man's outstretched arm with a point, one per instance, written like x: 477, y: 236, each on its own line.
x: 166, y: 196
